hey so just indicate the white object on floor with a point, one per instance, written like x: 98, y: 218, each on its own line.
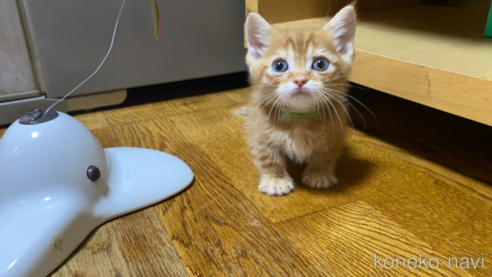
x: 48, y: 204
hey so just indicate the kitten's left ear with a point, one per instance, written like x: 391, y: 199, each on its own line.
x: 342, y: 30
x: 258, y: 33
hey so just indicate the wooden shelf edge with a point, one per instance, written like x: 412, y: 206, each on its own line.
x: 462, y: 95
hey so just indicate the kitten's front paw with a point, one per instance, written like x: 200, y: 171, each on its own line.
x: 319, y: 180
x: 276, y: 186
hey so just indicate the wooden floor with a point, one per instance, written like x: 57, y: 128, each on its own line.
x: 413, y: 182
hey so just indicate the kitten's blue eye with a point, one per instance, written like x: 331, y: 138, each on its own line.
x: 280, y: 66
x: 321, y: 64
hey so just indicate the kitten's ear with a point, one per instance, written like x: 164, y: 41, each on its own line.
x: 342, y: 30
x: 258, y: 33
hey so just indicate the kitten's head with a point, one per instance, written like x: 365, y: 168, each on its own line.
x: 299, y: 69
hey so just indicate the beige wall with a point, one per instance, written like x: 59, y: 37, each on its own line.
x: 16, y: 73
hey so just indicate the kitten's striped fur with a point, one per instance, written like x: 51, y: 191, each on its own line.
x: 273, y: 135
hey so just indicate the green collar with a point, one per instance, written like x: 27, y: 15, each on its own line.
x: 302, y: 115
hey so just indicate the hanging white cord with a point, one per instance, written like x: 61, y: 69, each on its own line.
x: 107, y: 54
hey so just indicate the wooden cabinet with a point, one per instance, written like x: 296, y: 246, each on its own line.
x: 435, y: 55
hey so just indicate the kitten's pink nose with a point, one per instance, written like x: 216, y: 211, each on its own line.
x: 300, y: 81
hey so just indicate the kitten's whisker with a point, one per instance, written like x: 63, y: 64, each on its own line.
x: 328, y: 12
x: 268, y: 97
x: 322, y: 118
x: 335, y: 109
x: 257, y: 118
x: 260, y: 102
x: 264, y: 97
x: 331, y: 117
x: 353, y: 107
x: 276, y: 105
x: 284, y: 101
x: 275, y: 109
x: 324, y: 113
x: 263, y: 106
x: 320, y: 103
x: 275, y: 114
x: 272, y: 106
x: 343, y: 107
x: 317, y: 104
x: 355, y: 99
x: 233, y: 118
x: 329, y: 111
x: 358, y: 112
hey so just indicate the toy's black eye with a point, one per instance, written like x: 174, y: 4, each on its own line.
x: 280, y: 66
x: 321, y: 64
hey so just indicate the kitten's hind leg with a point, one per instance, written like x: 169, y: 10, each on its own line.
x: 320, y: 172
x: 272, y: 166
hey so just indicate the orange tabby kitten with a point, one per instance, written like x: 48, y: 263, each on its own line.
x: 299, y: 79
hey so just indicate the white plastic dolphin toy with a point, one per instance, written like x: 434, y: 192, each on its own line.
x: 57, y: 184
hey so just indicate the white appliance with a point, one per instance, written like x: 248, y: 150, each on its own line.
x: 57, y: 184
x: 67, y: 38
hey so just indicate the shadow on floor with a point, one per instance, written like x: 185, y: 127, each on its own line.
x: 457, y: 143
x: 350, y: 171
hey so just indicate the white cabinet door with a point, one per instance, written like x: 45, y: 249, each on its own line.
x: 16, y: 74
x: 200, y: 38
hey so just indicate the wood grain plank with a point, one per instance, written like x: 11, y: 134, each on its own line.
x: 93, y: 120
x: 412, y: 196
x: 220, y: 135
x: 397, y: 179
x: 134, y: 245
x: 347, y: 239
x: 459, y: 94
x: 215, y: 229
x: 365, y: 166
x: 106, y: 137
x: 176, y: 107
x: 276, y: 11
x: 251, y: 6
x: 423, y: 198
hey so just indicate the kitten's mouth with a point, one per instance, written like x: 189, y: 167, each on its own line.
x: 300, y: 92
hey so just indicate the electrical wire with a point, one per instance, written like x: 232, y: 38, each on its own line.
x: 100, y: 65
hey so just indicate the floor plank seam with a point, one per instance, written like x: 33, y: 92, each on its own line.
x: 314, y: 212
x: 174, y: 115
x: 391, y: 151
